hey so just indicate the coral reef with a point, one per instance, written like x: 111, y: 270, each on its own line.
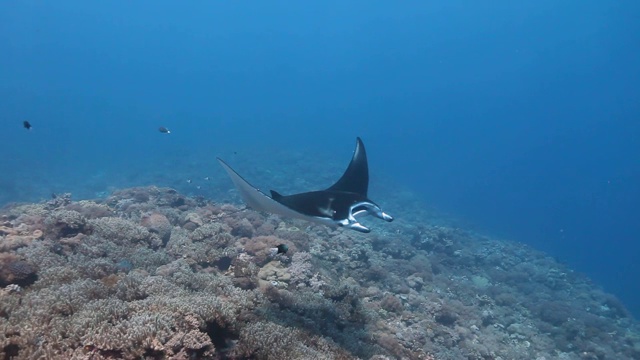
x: 150, y: 273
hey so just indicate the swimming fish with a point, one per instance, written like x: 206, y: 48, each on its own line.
x: 164, y: 130
x: 26, y: 125
x: 337, y: 205
x: 282, y: 249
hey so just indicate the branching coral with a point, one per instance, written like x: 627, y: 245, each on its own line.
x: 272, y: 341
x: 209, y: 251
x: 216, y: 234
x: 147, y: 315
x: 300, y: 269
x: 260, y: 247
x: 65, y: 223
x: 123, y: 232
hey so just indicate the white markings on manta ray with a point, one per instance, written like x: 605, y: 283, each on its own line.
x: 338, y: 205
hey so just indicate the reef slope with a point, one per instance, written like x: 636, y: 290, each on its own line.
x: 150, y: 273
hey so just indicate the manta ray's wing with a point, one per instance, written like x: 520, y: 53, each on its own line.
x: 259, y: 201
x: 356, y: 178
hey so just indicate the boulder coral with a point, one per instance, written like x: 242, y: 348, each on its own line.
x: 14, y: 270
x: 159, y: 224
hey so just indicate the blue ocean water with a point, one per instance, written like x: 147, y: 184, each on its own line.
x: 519, y: 117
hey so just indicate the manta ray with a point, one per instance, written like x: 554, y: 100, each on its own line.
x: 337, y: 205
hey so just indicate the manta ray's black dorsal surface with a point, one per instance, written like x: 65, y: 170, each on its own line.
x: 337, y: 205
x: 356, y: 178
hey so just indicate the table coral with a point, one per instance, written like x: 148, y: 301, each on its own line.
x: 14, y: 238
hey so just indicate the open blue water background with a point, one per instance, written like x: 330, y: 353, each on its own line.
x: 521, y: 117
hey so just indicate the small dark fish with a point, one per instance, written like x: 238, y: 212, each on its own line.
x: 164, y: 130
x: 27, y: 125
x: 57, y: 249
x: 188, y: 181
x: 282, y: 249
